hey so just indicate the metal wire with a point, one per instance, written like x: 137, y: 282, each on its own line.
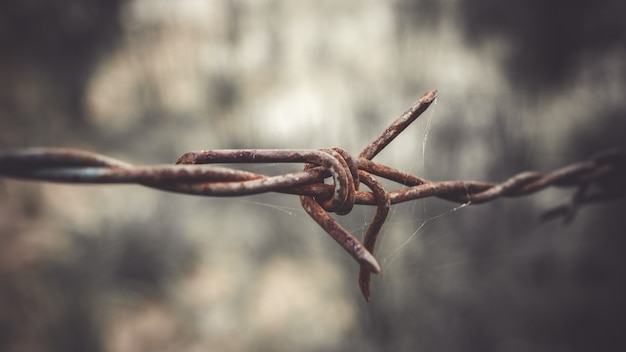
x: 192, y: 175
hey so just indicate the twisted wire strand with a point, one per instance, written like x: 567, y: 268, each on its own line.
x: 194, y: 174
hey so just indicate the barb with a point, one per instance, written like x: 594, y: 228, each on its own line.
x: 192, y: 174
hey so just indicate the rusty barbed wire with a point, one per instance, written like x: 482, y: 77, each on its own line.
x: 192, y: 175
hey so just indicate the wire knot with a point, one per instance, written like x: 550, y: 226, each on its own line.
x: 605, y: 172
x: 344, y: 171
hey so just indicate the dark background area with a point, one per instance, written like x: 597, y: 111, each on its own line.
x: 523, y: 85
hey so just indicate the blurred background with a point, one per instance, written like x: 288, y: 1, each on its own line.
x: 524, y: 85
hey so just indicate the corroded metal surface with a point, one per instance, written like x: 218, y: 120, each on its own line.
x: 192, y: 175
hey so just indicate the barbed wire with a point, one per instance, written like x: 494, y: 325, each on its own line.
x: 192, y: 175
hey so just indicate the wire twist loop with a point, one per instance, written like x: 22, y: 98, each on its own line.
x: 192, y: 175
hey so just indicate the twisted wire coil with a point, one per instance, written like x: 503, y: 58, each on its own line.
x: 192, y: 174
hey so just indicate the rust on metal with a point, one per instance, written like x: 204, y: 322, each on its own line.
x: 192, y: 174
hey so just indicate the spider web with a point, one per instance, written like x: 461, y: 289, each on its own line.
x: 394, y: 240
x: 418, y: 210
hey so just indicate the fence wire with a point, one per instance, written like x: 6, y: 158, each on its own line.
x: 598, y: 179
